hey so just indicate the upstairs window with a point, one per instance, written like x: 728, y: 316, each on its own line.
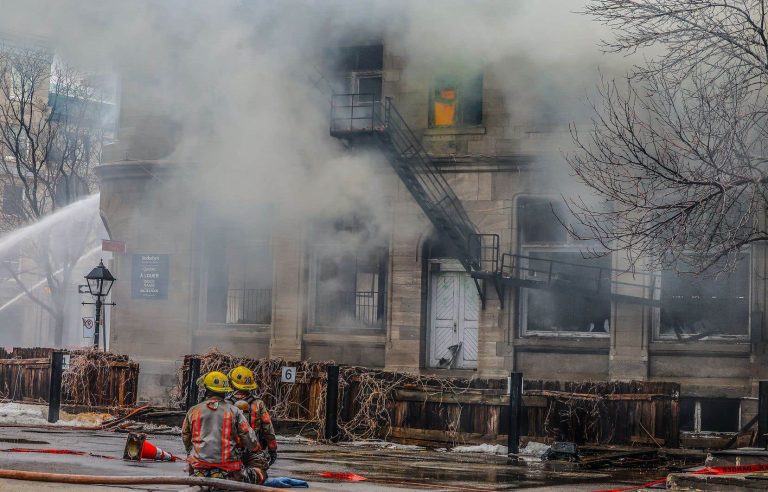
x: 13, y: 197
x: 456, y: 102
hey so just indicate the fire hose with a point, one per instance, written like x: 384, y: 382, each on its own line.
x: 128, y: 480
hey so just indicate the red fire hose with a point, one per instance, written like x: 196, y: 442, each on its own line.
x: 127, y: 480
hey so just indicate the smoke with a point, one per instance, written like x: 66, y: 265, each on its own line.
x: 230, y: 87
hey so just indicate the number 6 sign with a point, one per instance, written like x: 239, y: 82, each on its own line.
x: 289, y: 375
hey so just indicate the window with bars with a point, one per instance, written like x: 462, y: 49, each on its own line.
x: 348, y: 277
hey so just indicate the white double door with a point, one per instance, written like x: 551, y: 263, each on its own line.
x: 454, y: 315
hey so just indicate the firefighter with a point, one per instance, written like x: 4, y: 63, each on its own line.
x: 244, y: 397
x: 214, y: 433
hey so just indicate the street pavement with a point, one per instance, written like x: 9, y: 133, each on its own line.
x: 385, y: 469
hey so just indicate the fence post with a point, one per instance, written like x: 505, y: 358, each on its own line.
x: 332, y: 403
x: 515, y: 411
x: 193, y: 374
x: 54, y: 389
x: 762, y: 415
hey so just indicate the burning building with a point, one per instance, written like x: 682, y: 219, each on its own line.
x: 452, y: 259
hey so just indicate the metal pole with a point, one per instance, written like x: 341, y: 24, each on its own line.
x: 192, y: 391
x: 54, y: 389
x: 96, y: 325
x: 762, y: 415
x: 332, y: 403
x: 515, y: 412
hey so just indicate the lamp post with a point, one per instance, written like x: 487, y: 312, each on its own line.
x: 100, y: 282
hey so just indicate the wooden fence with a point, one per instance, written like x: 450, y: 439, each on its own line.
x: 439, y: 411
x: 92, y: 378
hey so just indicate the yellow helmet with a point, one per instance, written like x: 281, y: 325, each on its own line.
x: 215, y: 381
x: 242, y: 378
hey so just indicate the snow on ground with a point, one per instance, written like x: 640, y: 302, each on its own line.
x: 383, y: 445
x: 29, y: 414
x: 534, y: 448
x: 295, y: 439
x: 481, y: 448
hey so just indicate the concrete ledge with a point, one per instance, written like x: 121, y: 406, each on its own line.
x: 721, y: 483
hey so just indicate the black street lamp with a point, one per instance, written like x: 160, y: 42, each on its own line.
x: 100, y: 282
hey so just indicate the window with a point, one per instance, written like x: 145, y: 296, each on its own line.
x: 363, y: 58
x: 710, y: 414
x: 552, y: 260
x: 456, y: 102
x: 348, y: 277
x: 699, y: 306
x: 13, y: 200
x: 239, y: 264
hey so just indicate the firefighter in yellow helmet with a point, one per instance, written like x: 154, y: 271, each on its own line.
x: 244, y: 397
x: 215, y: 433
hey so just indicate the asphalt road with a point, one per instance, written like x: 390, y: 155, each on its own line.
x: 385, y: 469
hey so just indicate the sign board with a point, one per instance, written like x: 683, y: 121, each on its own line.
x: 83, y: 289
x: 113, y: 246
x: 65, y: 362
x: 289, y: 375
x: 88, y: 327
x: 149, y: 276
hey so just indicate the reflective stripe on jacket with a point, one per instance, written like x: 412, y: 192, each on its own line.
x: 212, y: 433
x: 258, y: 416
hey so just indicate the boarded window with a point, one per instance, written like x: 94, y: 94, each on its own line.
x: 456, y: 102
x: 704, y: 306
x: 13, y: 197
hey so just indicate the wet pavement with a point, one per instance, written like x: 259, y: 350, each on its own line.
x: 385, y: 469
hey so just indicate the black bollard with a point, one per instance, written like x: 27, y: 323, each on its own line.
x: 332, y: 404
x: 762, y: 415
x: 54, y: 390
x: 515, y: 412
x: 192, y: 388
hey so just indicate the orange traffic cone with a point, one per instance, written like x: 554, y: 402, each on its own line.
x: 137, y: 448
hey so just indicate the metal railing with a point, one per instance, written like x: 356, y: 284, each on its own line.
x: 545, y: 273
x: 356, y: 114
x: 349, y: 309
x: 249, y: 306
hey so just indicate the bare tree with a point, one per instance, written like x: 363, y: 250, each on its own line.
x: 676, y: 156
x: 51, y: 133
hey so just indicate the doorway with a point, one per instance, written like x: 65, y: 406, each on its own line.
x: 454, y: 314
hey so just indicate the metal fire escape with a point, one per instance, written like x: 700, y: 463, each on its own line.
x: 360, y: 119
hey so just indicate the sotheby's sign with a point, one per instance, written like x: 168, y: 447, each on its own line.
x: 149, y: 276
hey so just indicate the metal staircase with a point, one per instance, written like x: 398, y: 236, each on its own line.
x: 360, y: 119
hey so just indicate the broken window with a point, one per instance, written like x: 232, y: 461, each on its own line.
x: 568, y: 292
x: 456, y: 102
x: 348, y: 275
x: 697, y: 307
x: 710, y: 414
x: 239, y: 265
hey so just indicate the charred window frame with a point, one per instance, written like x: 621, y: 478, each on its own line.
x: 239, y: 271
x: 456, y: 101
x: 705, y: 307
x: 542, y: 236
x: 348, y: 284
x: 360, y: 67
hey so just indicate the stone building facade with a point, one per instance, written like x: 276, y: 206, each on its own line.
x: 400, y: 301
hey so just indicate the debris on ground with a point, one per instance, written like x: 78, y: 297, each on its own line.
x: 562, y: 451
x: 534, y: 449
x: 29, y: 414
x: 383, y: 444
